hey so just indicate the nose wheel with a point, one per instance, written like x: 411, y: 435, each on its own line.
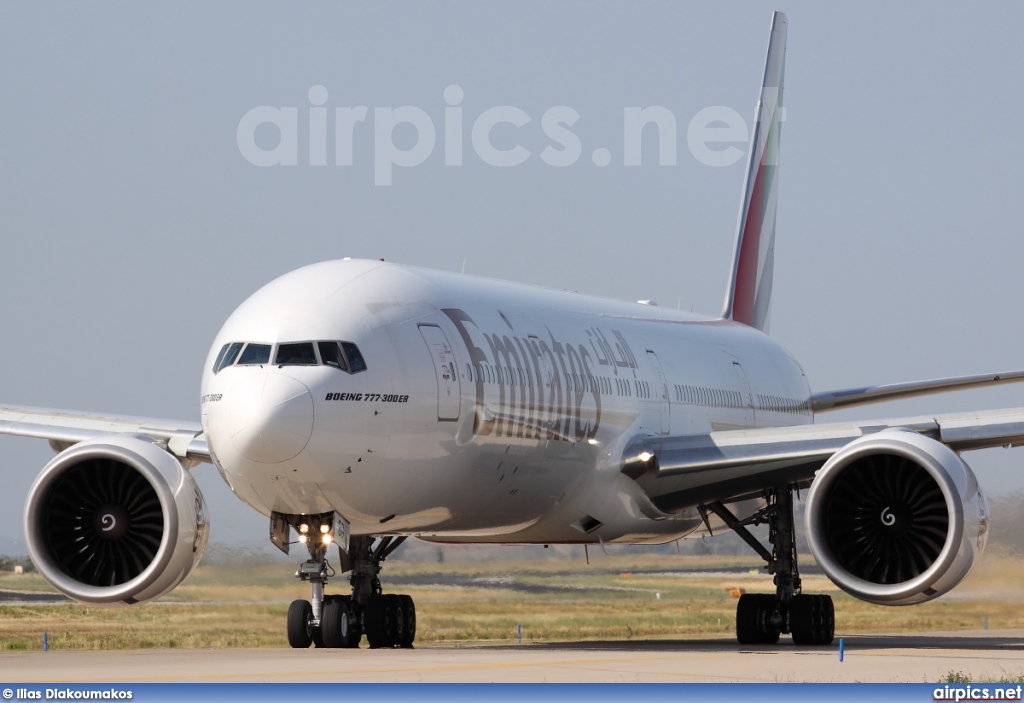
x: 339, y: 621
x: 338, y: 626
x: 300, y: 624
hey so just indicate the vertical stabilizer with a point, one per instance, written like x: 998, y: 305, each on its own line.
x: 748, y: 298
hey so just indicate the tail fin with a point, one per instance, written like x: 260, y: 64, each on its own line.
x: 748, y: 298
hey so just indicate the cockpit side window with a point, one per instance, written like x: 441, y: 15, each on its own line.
x: 330, y: 355
x: 227, y: 356
x: 255, y: 354
x: 296, y: 354
x: 220, y: 356
x: 355, y: 359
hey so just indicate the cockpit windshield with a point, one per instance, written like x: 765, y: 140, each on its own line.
x: 296, y: 354
x: 330, y: 354
x: 255, y: 354
x: 340, y: 355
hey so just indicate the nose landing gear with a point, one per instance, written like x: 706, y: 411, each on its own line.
x: 340, y: 621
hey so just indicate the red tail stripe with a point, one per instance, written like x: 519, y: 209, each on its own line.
x: 746, y: 269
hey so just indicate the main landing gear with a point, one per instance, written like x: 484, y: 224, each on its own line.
x: 333, y: 620
x: 762, y: 617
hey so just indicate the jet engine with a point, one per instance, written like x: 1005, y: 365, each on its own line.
x: 115, y: 520
x: 896, y: 518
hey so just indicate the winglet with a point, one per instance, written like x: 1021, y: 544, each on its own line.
x: 748, y: 297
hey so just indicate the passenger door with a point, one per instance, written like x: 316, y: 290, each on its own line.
x: 664, y: 408
x: 448, y: 388
x: 748, y: 396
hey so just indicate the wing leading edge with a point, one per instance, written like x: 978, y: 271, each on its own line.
x: 838, y: 400
x: 66, y: 427
x: 682, y: 472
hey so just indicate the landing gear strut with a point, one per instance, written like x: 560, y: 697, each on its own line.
x: 388, y: 620
x: 340, y: 621
x: 762, y: 617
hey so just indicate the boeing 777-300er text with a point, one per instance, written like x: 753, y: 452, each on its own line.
x: 359, y: 403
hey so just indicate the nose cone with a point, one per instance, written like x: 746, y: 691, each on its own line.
x: 269, y: 417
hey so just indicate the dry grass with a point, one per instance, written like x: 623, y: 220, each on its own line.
x: 10, y: 581
x: 615, y: 597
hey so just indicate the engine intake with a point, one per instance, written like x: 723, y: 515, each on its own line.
x: 115, y: 520
x: 895, y: 518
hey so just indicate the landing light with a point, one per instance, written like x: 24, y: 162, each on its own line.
x: 327, y: 539
x: 303, y: 528
x: 646, y: 456
x: 302, y: 539
x: 325, y: 528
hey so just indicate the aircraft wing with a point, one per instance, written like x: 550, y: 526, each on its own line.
x: 66, y: 427
x: 848, y: 397
x: 687, y: 471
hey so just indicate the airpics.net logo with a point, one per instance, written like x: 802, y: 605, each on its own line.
x: 715, y: 136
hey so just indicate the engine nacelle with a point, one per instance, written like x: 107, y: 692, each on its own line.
x: 115, y: 520
x: 895, y: 518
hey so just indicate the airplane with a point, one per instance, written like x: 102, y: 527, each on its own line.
x: 357, y: 403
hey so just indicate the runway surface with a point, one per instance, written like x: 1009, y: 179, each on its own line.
x: 983, y: 655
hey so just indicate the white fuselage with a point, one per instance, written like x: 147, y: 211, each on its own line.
x: 487, y: 411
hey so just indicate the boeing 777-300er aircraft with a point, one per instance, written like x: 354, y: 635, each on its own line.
x: 359, y: 403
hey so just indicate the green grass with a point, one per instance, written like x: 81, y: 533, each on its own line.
x: 10, y: 581
x: 614, y: 598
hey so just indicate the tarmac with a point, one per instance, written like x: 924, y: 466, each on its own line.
x: 983, y: 655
